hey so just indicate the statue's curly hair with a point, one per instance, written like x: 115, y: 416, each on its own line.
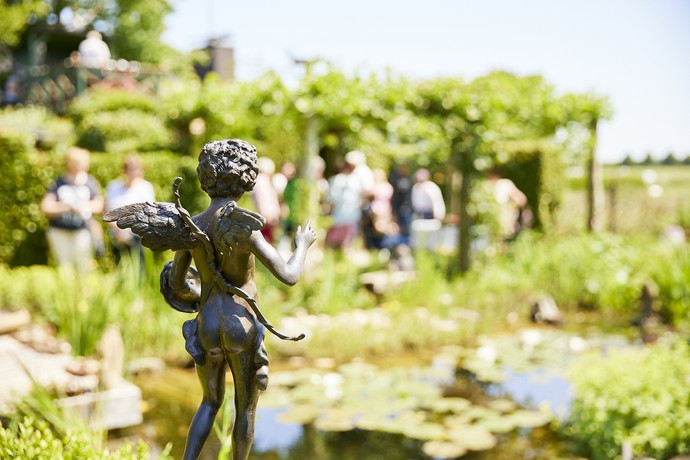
x: 227, y: 168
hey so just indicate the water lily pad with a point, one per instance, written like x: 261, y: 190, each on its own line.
x: 358, y: 370
x: 491, y: 375
x: 444, y: 449
x: 426, y: 431
x: 496, y: 424
x: 309, y: 393
x: 372, y: 422
x: 450, y: 405
x: 301, y: 414
x: 503, y: 405
x: 473, y: 437
x: 275, y: 397
x: 336, y: 420
x: 529, y: 418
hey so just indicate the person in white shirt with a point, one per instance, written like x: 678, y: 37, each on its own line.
x: 510, y: 200
x: 93, y: 51
x: 428, y: 210
x: 427, y: 199
x: 131, y: 188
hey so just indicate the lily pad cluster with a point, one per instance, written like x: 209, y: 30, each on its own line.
x: 410, y: 402
x: 531, y: 349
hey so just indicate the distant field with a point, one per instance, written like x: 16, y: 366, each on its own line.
x: 639, y: 199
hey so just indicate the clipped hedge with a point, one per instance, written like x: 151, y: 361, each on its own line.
x: 122, y: 131
x: 27, y: 174
x: 120, y: 121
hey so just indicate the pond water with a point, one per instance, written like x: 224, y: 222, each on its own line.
x: 492, y: 402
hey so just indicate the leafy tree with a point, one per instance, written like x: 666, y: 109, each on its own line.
x: 137, y: 28
x: 15, y: 17
x: 134, y: 27
x: 648, y: 160
x: 627, y: 161
x: 670, y: 160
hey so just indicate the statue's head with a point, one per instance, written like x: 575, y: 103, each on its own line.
x: 227, y: 168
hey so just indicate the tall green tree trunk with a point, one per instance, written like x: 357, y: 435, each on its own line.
x: 465, y: 162
x: 595, y: 186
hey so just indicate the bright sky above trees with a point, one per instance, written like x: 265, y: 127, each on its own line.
x: 636, y: 52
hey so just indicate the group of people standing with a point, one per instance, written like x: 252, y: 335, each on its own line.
x: 381, y: 210
x: 362, y: 203
x: 75, y: 197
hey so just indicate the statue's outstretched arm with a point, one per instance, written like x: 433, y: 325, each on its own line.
x: 179, y: 281
x: 290, y: 271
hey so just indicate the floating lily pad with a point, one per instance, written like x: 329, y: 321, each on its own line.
x: 473, y: 437
x: 450, y: 405
x: 444, y: 449
x: 336, y: 420
x: 491, y: 375
x: 503, y: 405
x: 358, y: 370
x: 309, y: 393
x: 496, y: 424
x: 529, y: 418
x: 426, y: 431
x: 275, y: 397
x: 372, y: 422
x: 301, y: 414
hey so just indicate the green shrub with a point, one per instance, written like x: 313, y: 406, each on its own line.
x: 122, y: 131
x: 40, y: 430
x: 27, y: 174
x: 81, y: 308
x: 119, y: 121
x: 95, y: 102
x: 638, y: 396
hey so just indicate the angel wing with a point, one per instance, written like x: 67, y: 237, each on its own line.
x: 158, y: 224
x: 235, y: 225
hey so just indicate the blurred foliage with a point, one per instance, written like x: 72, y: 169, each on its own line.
x: 81, y: 308
x: 27, y: 174
x: 137, y: 29
x: 516, y: 123
x: 636, y: 396
x: 15, y: 18
x: 133, y: 28
x: 119, y: 121
x: 40, y: 430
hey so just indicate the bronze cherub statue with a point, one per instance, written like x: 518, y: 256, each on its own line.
x: 223, y: 241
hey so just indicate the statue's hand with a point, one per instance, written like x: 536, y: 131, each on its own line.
x: 305, y: 236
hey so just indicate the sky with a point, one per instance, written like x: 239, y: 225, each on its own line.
x: 635, y: 52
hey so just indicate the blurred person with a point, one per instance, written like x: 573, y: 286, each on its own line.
x: 401, y: 200
x: 427, y: 199
x: 317, y: 167
x: 345, y: 198
x: 511, y: 202
x: 428, y: 209
x: 361, y: 170
x: 131, y: 188
x: 265, y: 198
x: 12, y: 91
x: 280, y: 179
x: 93, y: 51
x: 69, y: 204
x: 378, y: 224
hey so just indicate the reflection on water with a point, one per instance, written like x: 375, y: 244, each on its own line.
x: 535, y: 388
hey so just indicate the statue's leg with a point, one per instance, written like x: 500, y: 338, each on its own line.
x: 246, y: 398
x: 212, y: 379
